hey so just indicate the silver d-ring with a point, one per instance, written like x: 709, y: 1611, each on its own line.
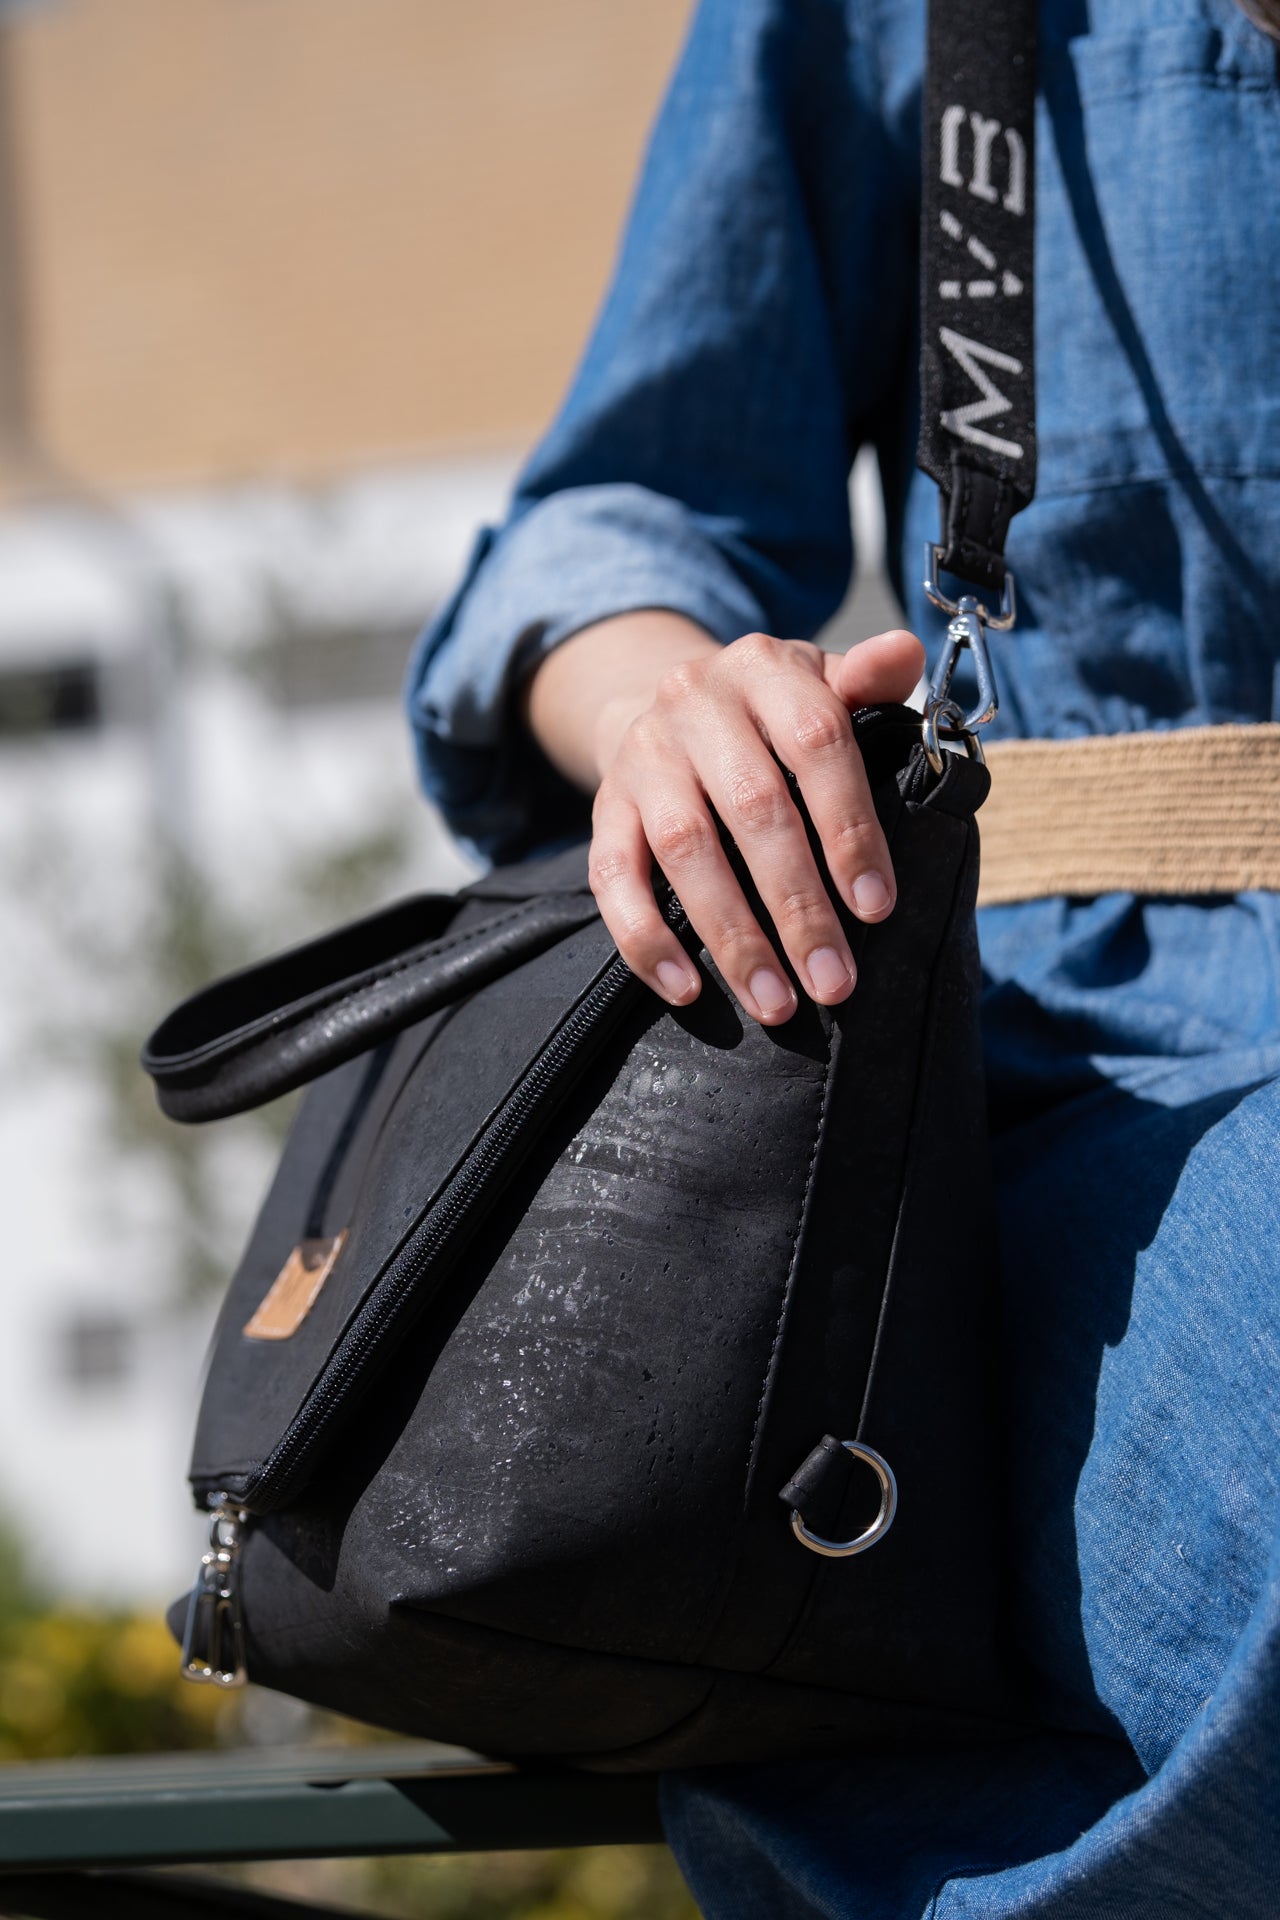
x: 842, y: 1549
x: 944, y: 720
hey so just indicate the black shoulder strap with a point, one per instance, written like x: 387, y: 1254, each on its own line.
x: 977, y: 357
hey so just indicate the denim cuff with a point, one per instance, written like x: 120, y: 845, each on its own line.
x: 560, y: 564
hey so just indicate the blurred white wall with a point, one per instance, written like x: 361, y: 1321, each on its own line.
x: 262, y: 765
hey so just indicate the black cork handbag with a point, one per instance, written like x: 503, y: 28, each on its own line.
x: 611, y: 1383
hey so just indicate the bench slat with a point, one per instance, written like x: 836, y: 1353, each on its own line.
x: 294, y: 1804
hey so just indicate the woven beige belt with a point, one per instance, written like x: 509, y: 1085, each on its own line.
x: 1196, y: 810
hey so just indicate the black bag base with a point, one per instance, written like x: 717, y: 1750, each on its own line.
x: 463, y: 1685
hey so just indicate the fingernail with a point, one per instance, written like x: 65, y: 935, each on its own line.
x: 828, y: 973
x: 870, y: 894
x: 676, y: 981
x: 770, y: 991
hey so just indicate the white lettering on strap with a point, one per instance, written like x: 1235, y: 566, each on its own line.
x: 983, y: 289
x: 1015, y: 201
x: 972, y: 356
x: 980, y: 184
x: 984, y: 133
x: 953, y: 119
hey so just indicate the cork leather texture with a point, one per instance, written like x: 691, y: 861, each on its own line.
x: 547, y: 1522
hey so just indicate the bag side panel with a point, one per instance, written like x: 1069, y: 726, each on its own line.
x: 916, y: 1617
x: 826, y: 1344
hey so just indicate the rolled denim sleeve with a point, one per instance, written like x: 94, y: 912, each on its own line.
x: 700, y: 461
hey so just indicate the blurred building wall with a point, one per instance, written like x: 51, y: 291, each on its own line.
x: 287, y: 237
x: 286, y: 287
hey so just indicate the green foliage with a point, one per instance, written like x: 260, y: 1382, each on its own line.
x: 129, y: 968
x: 74, y: 1682
x: 19, y: 1596
x: 590, y: 1883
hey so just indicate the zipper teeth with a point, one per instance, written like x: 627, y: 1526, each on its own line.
x: 395, y: 1293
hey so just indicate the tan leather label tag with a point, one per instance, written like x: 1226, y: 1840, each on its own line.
x: 295, y: 1289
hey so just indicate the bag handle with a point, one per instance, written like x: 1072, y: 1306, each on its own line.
x: 268, y: 1029
x: 977, y: 311
x: 259, y: 1033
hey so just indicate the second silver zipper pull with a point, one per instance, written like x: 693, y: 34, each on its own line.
x: 213, y: 1644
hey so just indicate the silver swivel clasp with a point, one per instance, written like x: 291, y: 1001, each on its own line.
x: 213, y: 1645
x: 944, y: 717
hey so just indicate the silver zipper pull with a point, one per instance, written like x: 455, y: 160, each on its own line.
x: 213, y: 1644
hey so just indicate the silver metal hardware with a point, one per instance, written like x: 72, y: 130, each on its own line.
x: 998, y: 622
x: 946, y: 721
x: 842, y: 1549
x: 970, y: 619
x: 213, y: 1644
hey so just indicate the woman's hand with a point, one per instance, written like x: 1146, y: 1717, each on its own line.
x: 667, y: 724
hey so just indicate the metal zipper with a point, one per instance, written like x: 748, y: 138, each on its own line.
x: 213, y: 1644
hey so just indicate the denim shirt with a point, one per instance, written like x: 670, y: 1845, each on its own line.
x: 762, y: 326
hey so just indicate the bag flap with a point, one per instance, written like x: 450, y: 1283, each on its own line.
x: 394, y: 1163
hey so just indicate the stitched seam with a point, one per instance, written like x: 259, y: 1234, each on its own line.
x: 929, y: 1027
x: 793, y: 1267
x: 1176, y: 77
x: 923, y: 1069
x: 440, y: 1611
x: 271, y: 1025
x: 734, y: 1561
x: 979, y: 542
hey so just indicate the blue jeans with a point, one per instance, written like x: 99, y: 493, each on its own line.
x: 1133, y: 1056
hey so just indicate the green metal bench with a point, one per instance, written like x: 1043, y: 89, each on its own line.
x: 76, y: 1836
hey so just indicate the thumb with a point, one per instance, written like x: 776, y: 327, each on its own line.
x: 887, y: 667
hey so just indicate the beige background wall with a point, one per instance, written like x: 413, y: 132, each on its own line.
x: 295, y: 236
